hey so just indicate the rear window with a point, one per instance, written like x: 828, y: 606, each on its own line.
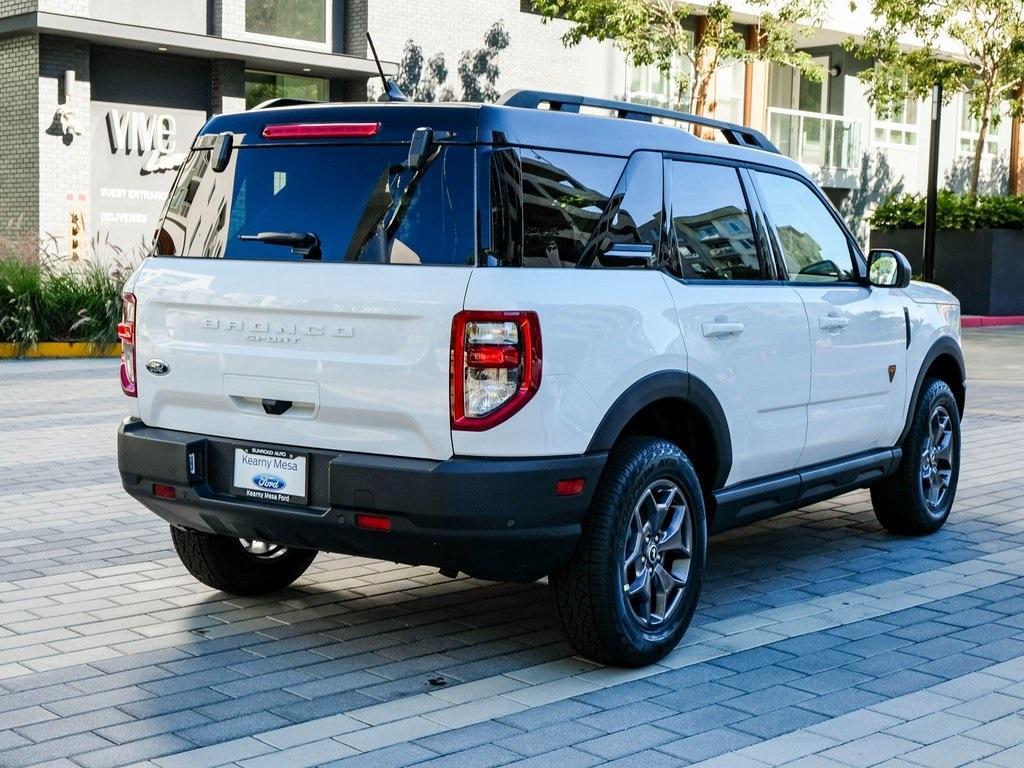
x: 359, y: 202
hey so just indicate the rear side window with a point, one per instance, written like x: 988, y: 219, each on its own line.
x: 563, y: 197
x: 814, y: 247
x: 710, y: 224
x: 359, y: 201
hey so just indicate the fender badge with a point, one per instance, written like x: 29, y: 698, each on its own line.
x: 159, y: 368
x: 892, y: 373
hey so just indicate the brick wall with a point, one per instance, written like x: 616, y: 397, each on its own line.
x: 19, y: 146
x: 227, y: 87
x: 64, y: 158
x: 227, y: 18
x: 535, y: 57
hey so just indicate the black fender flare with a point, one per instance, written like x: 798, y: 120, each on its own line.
x: 943, y: 346
x: 669, y: 385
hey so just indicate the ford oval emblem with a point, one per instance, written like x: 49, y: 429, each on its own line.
x: 157, y: 367
x: 269, y: 482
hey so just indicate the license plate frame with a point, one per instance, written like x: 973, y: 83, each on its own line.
x: 270, y: 475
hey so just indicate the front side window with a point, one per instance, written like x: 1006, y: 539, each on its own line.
x: 307, y: 21
x: 383, y: 213
x: 710, y: 224
x: 815, y: 248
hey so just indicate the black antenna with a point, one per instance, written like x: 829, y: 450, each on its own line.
x: 391, y: 90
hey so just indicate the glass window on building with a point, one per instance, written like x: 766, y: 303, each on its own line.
x: 260, y: 86
x: 970, y: 130
x: 307, y: 21
x: 898, y: 126
x: 729, y: 89
x: 652, y: 86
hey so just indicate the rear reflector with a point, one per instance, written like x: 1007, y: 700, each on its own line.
x: 320, y: 130
x: 373, y: 522
x: 573, y: 487
x: 164, y: 491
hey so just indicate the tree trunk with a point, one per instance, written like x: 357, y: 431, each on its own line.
x: 983, y: 123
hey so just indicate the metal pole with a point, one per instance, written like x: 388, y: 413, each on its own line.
x: 933, y: 182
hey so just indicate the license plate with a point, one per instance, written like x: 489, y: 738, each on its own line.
x: 265, y: 474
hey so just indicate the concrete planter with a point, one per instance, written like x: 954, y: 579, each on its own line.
x: 984, y: 268
x: 60, y: 349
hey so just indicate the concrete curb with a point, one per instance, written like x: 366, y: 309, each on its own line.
x: 60, y: 349
x: 980, y: 321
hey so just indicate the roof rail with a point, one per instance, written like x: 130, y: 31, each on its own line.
x: 564, y: 102
x: 282, y: 101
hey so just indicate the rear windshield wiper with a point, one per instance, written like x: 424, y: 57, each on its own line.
x: 305, y: 244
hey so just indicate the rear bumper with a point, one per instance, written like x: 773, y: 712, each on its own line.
x: 491, y: 518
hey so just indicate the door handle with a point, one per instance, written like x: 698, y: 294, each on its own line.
x: 722, y: 329
x: 833, y: 322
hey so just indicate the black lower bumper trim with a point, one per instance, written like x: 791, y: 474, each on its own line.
x: 491, y: 518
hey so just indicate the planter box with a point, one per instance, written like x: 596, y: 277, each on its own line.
x: 60, y: 349
x: 984, y: 268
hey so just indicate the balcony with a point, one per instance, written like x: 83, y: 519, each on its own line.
x: 829, y: 146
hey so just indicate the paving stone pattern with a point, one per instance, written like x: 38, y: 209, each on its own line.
x: 821, y: 641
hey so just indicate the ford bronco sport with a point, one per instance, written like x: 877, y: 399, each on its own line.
x: 516, y: 341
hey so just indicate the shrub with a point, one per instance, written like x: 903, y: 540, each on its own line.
x: 954, y: 211
x: 45, y: 298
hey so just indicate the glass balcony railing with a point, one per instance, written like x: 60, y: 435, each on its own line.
x: 815, y: 139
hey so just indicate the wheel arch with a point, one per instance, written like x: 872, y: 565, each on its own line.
x: 679, y: 407
x: 944, y: 360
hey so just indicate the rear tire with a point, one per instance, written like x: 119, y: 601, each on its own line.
x: 224, y: 563
x: 916, y: 500
x: 629, y: 591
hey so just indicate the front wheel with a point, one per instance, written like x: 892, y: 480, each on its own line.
x: 917, y: 498
x: 629, y: 591
x: 239, y: 566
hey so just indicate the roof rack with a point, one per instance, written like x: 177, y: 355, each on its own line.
x: 282, y: 101
x: 564, y: 102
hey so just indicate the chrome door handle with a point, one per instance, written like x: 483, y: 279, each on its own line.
x: 722, y: 329
x: 833, y: 322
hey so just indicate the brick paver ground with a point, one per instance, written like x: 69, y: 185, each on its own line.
x: 821, y: 640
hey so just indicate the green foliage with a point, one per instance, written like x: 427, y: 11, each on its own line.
x: 954, y: 211
x: 985, y: 38
x: 656, y: 32
x: 43, y: 298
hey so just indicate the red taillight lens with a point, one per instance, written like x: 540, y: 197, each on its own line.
x: 495, y: 366
x: 164, y: 491
x: 572, y: 487
x: 126, y: 333
x: 321, y: 130
x: 373, y: 523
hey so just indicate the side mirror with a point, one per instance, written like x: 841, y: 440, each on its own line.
x: 888, y: 268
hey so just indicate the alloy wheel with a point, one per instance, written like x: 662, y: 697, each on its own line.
x: 656, y: 555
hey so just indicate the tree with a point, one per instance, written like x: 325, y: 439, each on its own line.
x: 423, y: 79
x: 659, y: 32
x: 987, y: 61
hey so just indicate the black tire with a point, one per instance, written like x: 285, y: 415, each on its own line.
x: 598, y: 618
x: 901, y: 501
x: 221, y: 562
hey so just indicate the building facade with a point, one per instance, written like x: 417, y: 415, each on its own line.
x: 103, y: 97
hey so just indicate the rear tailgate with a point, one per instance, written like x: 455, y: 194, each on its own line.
x: 361, y: 351
x: 306, y: 279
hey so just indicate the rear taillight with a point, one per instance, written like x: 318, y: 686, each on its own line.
x: 495, y: 366
x: 126, y: 333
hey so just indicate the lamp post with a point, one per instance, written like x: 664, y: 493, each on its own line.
x: 931, y: 200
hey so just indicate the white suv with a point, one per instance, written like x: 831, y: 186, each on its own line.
x: 520, y: 342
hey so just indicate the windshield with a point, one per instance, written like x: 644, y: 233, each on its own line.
x: 358, y: 203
